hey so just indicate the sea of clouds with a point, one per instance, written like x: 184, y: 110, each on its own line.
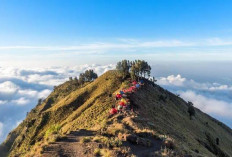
x: 20, y: 89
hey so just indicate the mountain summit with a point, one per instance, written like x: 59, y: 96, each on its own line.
x: 74, y: 120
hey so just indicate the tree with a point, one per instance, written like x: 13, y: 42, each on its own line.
x: 123, y: 67
x: 191, y: 110
x: 40, y: 101
x: 132, y: 73
x: 87, y: 76
x: 137, y: 68
x: 70, y: 78
x: 75, y: 79
x: 90, y: 75
x: 81, y: 78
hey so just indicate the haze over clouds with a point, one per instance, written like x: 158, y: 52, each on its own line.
x: 210, y: 49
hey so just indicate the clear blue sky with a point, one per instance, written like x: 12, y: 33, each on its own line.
x: 105, y: 27
x: 56, y: 21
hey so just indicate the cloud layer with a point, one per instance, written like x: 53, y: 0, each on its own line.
x: 126, y: 44
x: 212, y: 98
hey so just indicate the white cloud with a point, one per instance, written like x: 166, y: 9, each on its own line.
x: 44, y: 93
x: 28, y: 92
x: 179, y: 81
x: 218, y: 42
x: 125, y: 44
x: 1, y: 130
x: 220, y: 87
x: 208, y: 105
x: 172, y: 80
x: 2, y: 102
x: 21, y: 101
x: 8, y: 87
x: 106, y: 45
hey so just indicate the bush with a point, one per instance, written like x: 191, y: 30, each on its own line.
x: 97, y: 152
x: 85, y: 139
x: 191, y: 110
x: 112, y: 142
x: 54, y: 129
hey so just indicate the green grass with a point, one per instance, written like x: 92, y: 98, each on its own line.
x: 54, y: 129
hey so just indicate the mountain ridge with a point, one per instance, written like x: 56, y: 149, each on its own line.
x: 72, y: 107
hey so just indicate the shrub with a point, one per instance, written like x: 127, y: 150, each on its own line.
x: 191, y: 110
x: 54, y: 129
x: 85, y: 139
x: 97, y: 152
x: 112, y: 142
x: 96, y: 139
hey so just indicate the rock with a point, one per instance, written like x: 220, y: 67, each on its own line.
x: 131, y: 138
x: 144, y: 142
x: 168, y: 144
x: 137, y: 140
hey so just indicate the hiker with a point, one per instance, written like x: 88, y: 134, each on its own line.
x: 118, y: 96
x: 133, y: 89
x: 137, y: 85
x: 134, y: 83
x: 122, y: 92
x: 123, y: 100
x: 120, y: 108
x: 124, y: 108
x: 121, y: 103
x: 141, y: 82
x: 113, y: 110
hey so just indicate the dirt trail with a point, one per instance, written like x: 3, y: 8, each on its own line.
x: 71, y: 146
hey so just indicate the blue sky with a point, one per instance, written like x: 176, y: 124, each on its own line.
x: 41, y: 30
x: 58, y: 21
x: 43, y: 42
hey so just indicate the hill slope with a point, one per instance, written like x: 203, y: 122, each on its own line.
x: 74, y: 118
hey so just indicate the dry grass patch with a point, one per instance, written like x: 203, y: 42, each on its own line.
x: 86, y: 139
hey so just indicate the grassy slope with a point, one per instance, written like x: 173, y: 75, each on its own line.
x: 170, y: 117
x: 75, y: 107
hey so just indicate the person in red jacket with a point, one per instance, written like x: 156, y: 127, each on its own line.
x: 113, y: 110
x: 134, y: 83
x: 118, y: 96
x: 122, y: 103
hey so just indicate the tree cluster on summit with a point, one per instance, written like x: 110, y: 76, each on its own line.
x: 137, y: 68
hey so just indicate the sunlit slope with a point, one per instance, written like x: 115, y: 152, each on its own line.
x: 73, y: 107
x: 70, y: 106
